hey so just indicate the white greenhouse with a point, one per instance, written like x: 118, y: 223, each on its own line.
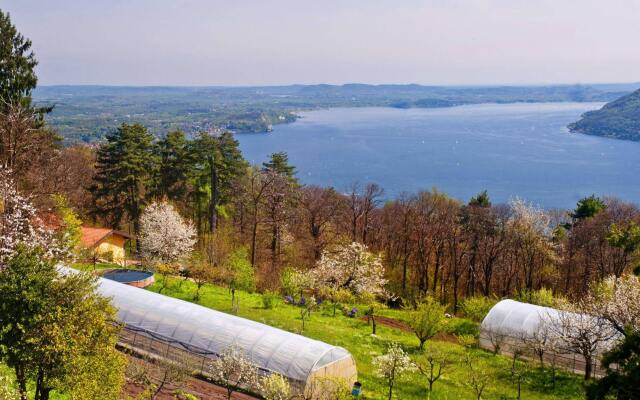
x: 512, y: 326
x: 161, y: 326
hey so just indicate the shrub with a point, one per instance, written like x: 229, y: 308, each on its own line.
x: 477, y: 307
x: 462, y: 327
x: 268, y: 300
x: 542, y: 297
x: 241, y: 272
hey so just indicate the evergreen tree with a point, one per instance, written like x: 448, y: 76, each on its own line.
x: 622, y: 381
x: 175, y: 163
x: 279, y: 162
x: 480, y: 200
x: 124, y: 175
x: 17, y: 63
x: 217, y: 164
x: 587, y: 207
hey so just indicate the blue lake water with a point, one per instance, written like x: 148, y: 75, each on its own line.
x: 510, y: 150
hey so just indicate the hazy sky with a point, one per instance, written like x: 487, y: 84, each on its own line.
x: 248, y: 42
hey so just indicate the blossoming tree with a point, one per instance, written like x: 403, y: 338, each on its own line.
x: 392, y: 365
x: 165, y: 237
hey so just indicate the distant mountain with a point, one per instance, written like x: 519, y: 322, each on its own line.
x: 619, y: 119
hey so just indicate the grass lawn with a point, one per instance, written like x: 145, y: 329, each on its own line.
x: 355, y: 335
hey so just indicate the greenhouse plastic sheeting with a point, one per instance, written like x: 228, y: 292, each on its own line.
x: 512, y: 317
x: 212, y: 332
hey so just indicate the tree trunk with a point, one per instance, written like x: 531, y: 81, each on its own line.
x: 213, y: 211
x: 587, y: 367
x: 22, y: 383
x: 254, y: 236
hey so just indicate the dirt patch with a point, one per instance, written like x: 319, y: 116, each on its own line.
x: 390, y: 322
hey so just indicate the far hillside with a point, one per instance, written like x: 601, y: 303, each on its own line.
x: 619, y: 119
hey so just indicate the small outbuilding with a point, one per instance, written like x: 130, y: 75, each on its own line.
x: 105, y: 243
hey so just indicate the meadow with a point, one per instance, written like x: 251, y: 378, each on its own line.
x: 355, y: 335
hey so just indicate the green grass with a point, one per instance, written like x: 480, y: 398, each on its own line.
x: 6, y: 371
x: 355, y: 336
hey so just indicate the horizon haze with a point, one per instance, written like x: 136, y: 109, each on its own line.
x: 253, y: 43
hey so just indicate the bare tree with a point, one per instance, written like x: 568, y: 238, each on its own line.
x: 582, y: 333
x: 478, y: 378
x: 431, y: 365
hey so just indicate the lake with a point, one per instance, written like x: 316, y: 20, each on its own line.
x: 521, y: 149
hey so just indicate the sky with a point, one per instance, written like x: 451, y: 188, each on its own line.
x: 267, y: 42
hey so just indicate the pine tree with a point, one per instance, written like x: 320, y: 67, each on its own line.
x: 124, y: 175
x: 279, y: 162
x: 17, y: 63
x: 217, y: 164
x: 175, y: 163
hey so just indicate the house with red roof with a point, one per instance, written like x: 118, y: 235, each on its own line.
x: 105, y: 243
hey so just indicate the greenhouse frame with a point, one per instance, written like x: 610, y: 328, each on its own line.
x: 162, y: 326
x: 510, y: 324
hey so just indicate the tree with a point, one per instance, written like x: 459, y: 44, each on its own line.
x: 17, y: 64
x: 306, y: 307
x: 392, y: 365
x: 57, y: 332
x: 217, y: 165
x: 478, y: 378
x: 69, y: 232
x: 157, y: 374
x: 174, y: 167
x: 622, y: 380
x: 19, y: 223
x: 351, y: 267
x: 279, y: 163
x: 233, y: 371
x: 26, y: 146
x: 427, y: 320
x: 617, y: 301
x: 587, y: 207
x: 582, y: 333
x: 165, y: 237
x: 318, y: 209
x: 529, y: 227
x: 541, y: 340
x: 124, y: 175
x: 431, y: 364
x: 202, y: 271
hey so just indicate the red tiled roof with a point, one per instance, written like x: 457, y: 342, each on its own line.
x: 92, y: 236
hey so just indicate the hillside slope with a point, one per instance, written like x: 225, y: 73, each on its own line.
x: 619, y: 119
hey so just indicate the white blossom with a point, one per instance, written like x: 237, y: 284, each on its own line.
x: 19, y: 223
x: 392, y: 365
x: 164, y: 236
x: 617, y: 300
x: 351, y: 267
x: 234, y: 371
